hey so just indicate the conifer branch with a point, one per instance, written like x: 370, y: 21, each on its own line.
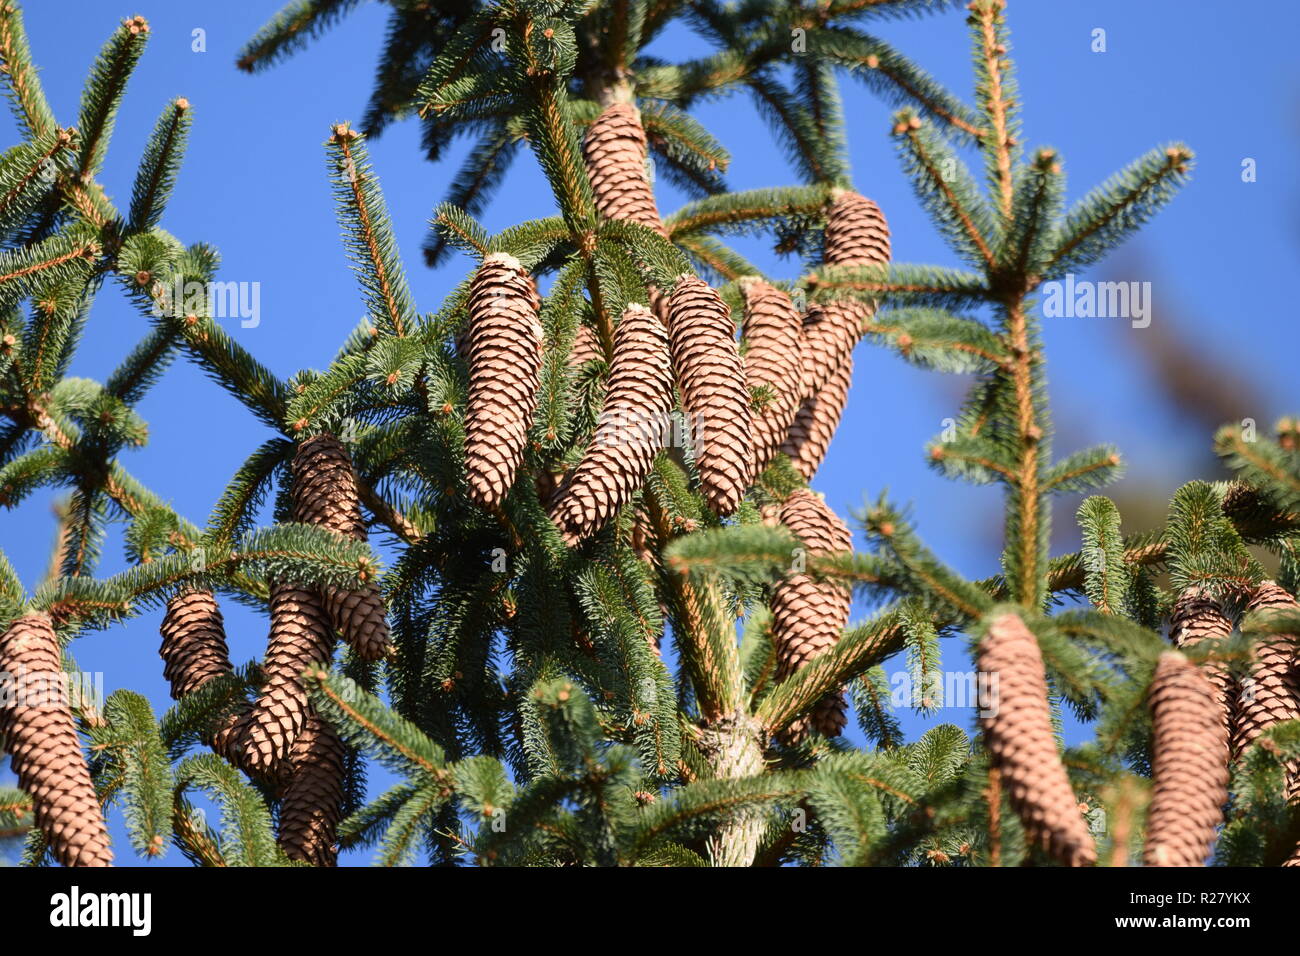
x: 27, y: 98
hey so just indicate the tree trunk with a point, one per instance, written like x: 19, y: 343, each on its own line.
x: 734, y: 748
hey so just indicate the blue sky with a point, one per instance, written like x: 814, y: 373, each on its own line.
x: 255, y: 186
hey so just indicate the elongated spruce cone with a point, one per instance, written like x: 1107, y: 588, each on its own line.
x: 194, y: 652
x: 773, y: 359
x: 505, y: 361
x: 629, y: 433
x: 1196, y: 619
x: 808, y: 615
x: 300, y: 636
x: 614, y: 151
x: 37, y: 726
x: 193, y: 642
x: 326, y: 494
x: 714, y: 395
x: 856, y: 232
x: 814, y: 424
x: 586, y: 348
x: 311, y: 802
x: 325, y: 490
x: 830, y: 332
x: 1189, y: 765
x: 1272, y: 691
x: 1022, y: 745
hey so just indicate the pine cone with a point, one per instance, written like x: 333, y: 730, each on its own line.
x: 586, y: 348
x: 300, y: 636
x: 37, y: 726
x: 194, y: 652
x: 808, y: 615
x: 193, y: 642
x: 856, y: 232
x: 505, y: 360
x: 773, y: 359
x: 325, y: 494
x: 630, y: 432
x: 311, y: 803
x: 830, y: 333
x: 325, y: 487
x: 815, y: 423
x: 1022, y: 745
x: 614, y: 151
x: 1189, y: 765
x: 1196, y: 619
x: 360, y: 616
x: 714, y: 394
x: 1272, y: 693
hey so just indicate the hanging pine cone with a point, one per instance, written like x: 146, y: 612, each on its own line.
x: 714, y: 394
x: 1272, y: 692
x: 194, y: 652
x: 856, y: 232
x: 37, y: 726
x: 773, y: 359
x: 856, y: 235
x: 614, y: 151
x: 630, y: 432
x: 1022, y: 744
x: 830, y: 333
x: 193, y: 642
x: 311, y: 803
x: 808, y: 615
x: 325, y: 494
x: 1189, y: 765
x: 325, y: 490
x: 300, y: 636
x: 586, y: 348
x: 1197, y: 619
x: 814, y: 424
x: 505, y: 361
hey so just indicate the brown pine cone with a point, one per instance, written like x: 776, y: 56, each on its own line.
x: 586, y: 348
x: 325, y: 487
x: 714, y: 394
x: 830, y: 332
x: 311, y: 802
x: 814, y: 424
x: 1022, y: 745
x: 1189, y: 765
x: 773, y: 333
x: 856, y: 235
x: 325, y: 494
x: 630, y: 432
x: 300, y: 636
x: 614, y: 151
x: 1272, y: 692
x: 193, y: 642
x: 505, y: 361
x: 37, y: 726
x: 856, y: 232
x: 808, y: 615
x: 1197, y: 619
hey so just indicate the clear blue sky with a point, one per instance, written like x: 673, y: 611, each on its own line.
x: 1224, y: 80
